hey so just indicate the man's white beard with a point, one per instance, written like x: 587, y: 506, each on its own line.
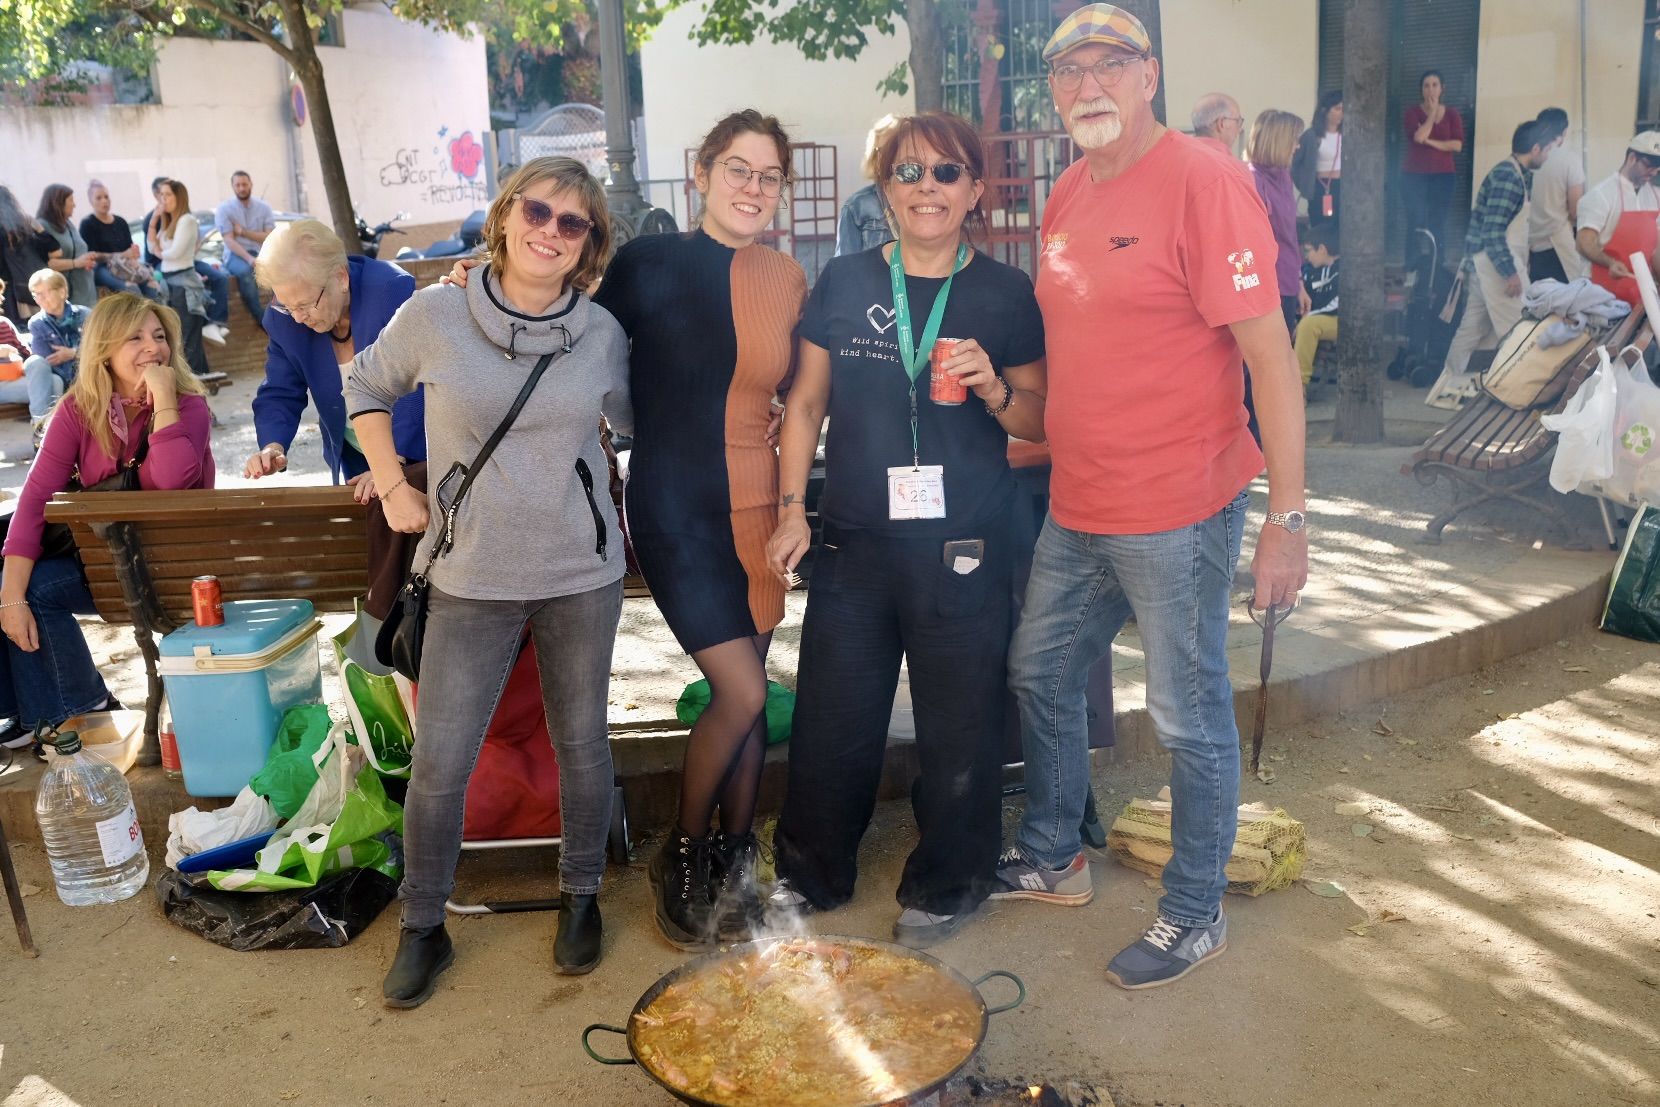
x: 1094, y: 134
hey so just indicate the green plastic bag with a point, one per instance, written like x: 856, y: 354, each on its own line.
x: 780, y: 708
x: 1633, y: 607
x: 343, y: 824
x: 377, y: 699
x: 289, y: 772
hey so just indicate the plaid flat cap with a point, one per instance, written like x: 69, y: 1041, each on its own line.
x: 1102, y: 23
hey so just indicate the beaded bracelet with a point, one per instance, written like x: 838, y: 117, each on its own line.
x: 14, y: 603
x: 1008, y: 398
x: 401, y: 482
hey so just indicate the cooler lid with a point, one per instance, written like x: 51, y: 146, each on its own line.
x: 250, y: 627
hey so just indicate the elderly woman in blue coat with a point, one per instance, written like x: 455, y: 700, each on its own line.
x: 325, y: 308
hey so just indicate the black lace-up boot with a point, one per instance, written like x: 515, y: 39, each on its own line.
x: 680, y: 877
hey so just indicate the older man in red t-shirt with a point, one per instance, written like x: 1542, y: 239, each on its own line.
x: 1155, y: 280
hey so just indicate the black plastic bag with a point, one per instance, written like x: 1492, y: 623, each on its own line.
x: 325, y: 917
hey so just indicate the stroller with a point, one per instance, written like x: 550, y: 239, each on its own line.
x: 1428, y: 283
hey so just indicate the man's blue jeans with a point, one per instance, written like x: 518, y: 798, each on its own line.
x: 243, y: 273
x: 59, y: 679
x: 1082, y: 589
x: 219, y: 292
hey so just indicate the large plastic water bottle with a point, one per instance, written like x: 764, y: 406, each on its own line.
x: 90, y: 827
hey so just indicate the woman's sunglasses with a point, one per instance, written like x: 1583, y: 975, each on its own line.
x: 569, y: 225
x: 945, y: 172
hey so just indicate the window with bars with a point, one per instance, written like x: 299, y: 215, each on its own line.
x: 994, y: 63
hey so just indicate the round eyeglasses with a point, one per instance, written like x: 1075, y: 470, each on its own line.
x: 739, y: 172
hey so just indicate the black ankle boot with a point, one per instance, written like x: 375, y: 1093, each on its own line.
x: 680, y: 877
x: 576, y: 946
x: 423, y: 953
x: 736, y: 900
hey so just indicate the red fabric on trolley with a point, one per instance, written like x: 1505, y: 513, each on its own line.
x: 514, y: 792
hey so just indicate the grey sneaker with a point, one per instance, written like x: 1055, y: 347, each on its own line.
x: 920, y: 929
x: 1168, y: 952
x: 1019, y: 877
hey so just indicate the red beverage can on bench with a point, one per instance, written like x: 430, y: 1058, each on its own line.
x: 208, y: 601
x: 943, y: 388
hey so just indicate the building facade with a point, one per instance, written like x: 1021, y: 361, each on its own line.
x: 410, y: 108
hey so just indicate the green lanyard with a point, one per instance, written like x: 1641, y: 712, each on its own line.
x: 914, y: 357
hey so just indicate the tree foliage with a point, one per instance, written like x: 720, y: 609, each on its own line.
x: 820, y: 29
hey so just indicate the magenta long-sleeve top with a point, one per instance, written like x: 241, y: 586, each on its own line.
x: 1277, y: 192
x: 180, y: 456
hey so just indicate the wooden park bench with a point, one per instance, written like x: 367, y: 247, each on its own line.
x: 1491, y: 451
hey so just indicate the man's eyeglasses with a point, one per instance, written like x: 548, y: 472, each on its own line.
x: 945, y: 172
x: 1107, y: 73
x: 275, y: 306
x: 738, y: 173
x: 569, y: 225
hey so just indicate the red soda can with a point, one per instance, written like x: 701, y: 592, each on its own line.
x: 207, y: 601
x: 943, y: 388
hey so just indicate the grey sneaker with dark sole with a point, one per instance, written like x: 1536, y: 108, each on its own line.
x: 1019, y: 877
x: 1167, y: 952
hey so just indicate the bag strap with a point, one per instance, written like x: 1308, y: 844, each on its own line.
x: 447, y: 535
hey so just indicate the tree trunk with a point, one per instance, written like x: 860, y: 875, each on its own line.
x: 308, y: 67
x: 1360, y: 353
x: 927, y: 60
x: 1148, y: 12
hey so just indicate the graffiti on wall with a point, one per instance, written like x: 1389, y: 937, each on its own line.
x: 446, y: 172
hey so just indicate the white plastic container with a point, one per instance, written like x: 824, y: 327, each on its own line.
x: 112, y: 736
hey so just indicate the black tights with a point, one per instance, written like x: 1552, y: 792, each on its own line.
x: 728, y: 743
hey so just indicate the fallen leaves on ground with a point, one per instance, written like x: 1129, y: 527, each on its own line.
x: 1363, y: 928
x: 1383, y: 728
x: 1327, y: 889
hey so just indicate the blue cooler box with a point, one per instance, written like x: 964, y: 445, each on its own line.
x: 229, y: 685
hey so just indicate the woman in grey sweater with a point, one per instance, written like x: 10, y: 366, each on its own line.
x: 536, y: 542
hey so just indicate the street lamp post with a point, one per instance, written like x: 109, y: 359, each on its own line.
x: 630, y: 214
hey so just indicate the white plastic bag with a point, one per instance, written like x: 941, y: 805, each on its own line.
x: 192, y: 831
x: 1635, y: 438
x: 1585, y: 431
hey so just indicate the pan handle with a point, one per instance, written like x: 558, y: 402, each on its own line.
x: 1019, y: 984
x: 605, y: 1060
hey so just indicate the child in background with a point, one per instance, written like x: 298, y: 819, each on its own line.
x: 1318, y: 295
x: 25, y: 379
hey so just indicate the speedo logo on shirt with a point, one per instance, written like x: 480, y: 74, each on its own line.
x: 1243, y: 261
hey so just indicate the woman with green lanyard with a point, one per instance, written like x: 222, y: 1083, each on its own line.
x: 916, y: 556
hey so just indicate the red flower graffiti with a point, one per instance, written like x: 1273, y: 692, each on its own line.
x: 465, y: 154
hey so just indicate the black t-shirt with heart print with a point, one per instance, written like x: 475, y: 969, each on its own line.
x: 850, y: 314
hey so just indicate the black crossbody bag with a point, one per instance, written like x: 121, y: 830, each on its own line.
x: 399, y: 642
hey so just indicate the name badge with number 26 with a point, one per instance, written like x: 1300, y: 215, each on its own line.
x: 916, y: 493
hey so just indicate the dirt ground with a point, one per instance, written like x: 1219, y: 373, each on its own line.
x: 1514, y: 823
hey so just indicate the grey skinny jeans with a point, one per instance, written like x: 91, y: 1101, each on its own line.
x: 469, y: 651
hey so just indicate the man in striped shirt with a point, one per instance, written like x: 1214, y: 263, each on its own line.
x: 1495, y: 259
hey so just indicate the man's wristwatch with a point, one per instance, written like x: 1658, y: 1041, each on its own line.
x: 1293, y: 521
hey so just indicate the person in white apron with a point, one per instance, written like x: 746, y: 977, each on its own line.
x: 1494, y: 272
x: 1617, y: 219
